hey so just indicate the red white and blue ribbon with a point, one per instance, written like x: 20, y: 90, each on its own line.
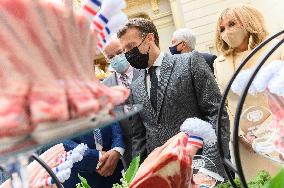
x: 199, y: 132
x: 106, y: 18
x: 91, y: 8
x: 63, y: 169
x: 196, y: 141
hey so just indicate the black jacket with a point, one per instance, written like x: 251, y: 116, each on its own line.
x: 209, y: 58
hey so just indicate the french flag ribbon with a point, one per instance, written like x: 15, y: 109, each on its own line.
x: 100, y: 22
x: 97, y: 3
x: 100, y: 45
x: 62, y: 159
x: 196, y: 141
x: 62, y: 167
x: 101, y: 42
x: 107, y: 30
x: 102, y: 36
x: 66, y: 154
x: 91, y: 8
x: 56, y: 169
x: 48, y: 181
x: 105, y: 33
x: 103, y: 18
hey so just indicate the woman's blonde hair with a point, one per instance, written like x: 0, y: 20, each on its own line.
x: 251, y: 19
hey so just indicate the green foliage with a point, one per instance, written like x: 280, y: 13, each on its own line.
x: 123, y: 184
x: 125, y: 180
x: 83, y: 184
x: 259, y: 181
x: 277, y: 181
x: 129, y: 174
x: 133, y: 168
x: 78, y: 185
x: 228, y: 184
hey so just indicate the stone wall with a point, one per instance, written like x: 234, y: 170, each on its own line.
x: 160, y: 12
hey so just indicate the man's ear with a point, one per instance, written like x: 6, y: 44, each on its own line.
x: 151, y: 37
x: 184, y: 45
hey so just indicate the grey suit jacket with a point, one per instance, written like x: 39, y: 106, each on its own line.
x: 125, y: 124
x: 187, y: 88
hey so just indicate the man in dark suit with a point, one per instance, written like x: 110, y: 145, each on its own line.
x: 123, y: 74
x: 184, y: 41
x: 109, y: 172
x: 171, y: 89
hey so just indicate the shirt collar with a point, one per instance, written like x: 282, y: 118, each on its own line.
x: 158, y: 61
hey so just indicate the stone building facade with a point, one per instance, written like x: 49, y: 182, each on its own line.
x: 200, y: 16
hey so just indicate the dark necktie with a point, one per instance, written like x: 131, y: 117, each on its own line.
x: 124, y: 80
x: 154, y: 86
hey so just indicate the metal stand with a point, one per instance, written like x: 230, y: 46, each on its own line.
x: 226, y: 162
x: 48, y: 169
x: 71, y: 128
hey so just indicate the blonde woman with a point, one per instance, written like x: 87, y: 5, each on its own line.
x: 239, y: 30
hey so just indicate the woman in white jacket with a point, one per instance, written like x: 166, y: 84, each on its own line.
x: 239, y: 30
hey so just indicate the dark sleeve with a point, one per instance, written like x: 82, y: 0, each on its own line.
x: 209, y: 59
x: 138, y: 138
x: 117, y: 136
x: 213, y: 57
x: 208, y: 97
x: 90, y: 159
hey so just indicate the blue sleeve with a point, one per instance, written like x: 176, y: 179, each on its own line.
x: 90, y: 159
x: 117, y: 136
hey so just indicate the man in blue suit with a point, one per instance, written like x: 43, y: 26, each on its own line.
x: 105, y: 146
x: 184, y: 41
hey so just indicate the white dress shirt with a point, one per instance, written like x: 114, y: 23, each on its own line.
x: 158, y: 64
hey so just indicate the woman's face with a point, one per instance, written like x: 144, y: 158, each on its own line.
x: 233, y: 33
x: 229, y: 23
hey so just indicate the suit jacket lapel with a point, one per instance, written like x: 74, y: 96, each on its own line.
x: 165, y: 74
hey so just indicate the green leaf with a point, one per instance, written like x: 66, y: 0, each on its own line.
x: 132, y: 169
x: 277, y: 181
x: 83, y: 182
x: 259, y: 181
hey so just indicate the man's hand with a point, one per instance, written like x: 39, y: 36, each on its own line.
x: 108, y: 163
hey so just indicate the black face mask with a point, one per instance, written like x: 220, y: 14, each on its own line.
x: 173, y: 49
x: 136, y: 58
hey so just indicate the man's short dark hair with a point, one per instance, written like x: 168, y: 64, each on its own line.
x: 145, y: 26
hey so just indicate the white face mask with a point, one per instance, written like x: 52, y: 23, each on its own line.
x: 234, y: 37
